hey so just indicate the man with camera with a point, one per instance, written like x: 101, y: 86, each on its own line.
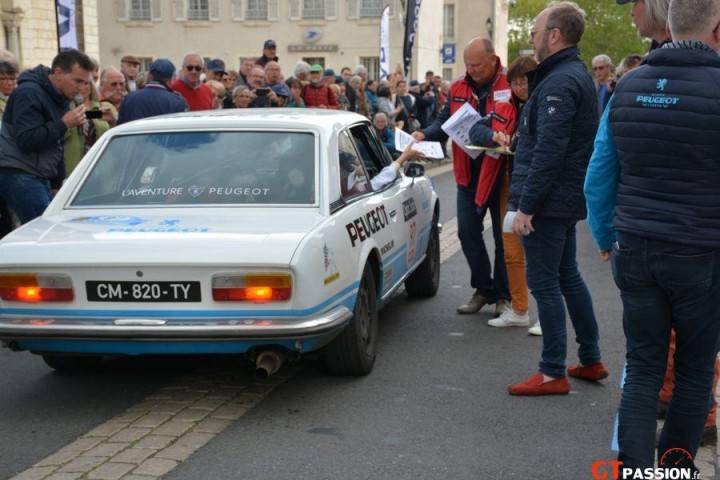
x: 32, y: 132
x: 263, y: 94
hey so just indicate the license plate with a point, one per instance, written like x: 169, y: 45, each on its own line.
x: 143, y: 291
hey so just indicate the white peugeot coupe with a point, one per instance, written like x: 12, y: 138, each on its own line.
x: 238, y: 231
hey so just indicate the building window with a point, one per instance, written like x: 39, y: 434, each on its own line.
x: 145, y: 63
x: 313, y: 9
x: 198, y: 10
x: 257, y: 10
x: 372, y: 64
x: 371, y: 8
x: 140, y: 10
x: 449, y: 22
x: 315, y: 61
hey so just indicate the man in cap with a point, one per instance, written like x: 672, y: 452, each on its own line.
x: 157, y: 98
x: 129, y: 66
x: 282, y: 92
x: 317, y: 93
x: 269, y: 53
x: 330, y: 77
x: 215, y: 70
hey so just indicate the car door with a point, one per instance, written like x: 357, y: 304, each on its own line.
x: 400, y: 249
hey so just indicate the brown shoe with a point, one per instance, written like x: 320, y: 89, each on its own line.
x: 534, y: 386
x: 594, y: 371
x: 474, y: 305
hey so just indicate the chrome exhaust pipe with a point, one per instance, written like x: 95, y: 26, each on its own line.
x: 267, y: 363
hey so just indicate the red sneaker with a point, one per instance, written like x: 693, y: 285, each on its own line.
x: 535, y: 386
x: 594, y: 371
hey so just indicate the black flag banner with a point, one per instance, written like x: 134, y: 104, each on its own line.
x: 411, y: 23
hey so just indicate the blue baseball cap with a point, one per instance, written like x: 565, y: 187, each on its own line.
x: 216, y: 65
x: 162, y: 68
x: 281, y: 90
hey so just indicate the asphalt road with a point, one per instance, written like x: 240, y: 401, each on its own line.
x: 434, y: 407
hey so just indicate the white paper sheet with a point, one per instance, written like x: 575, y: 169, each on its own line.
x: 458, y: 128
x: 429, y: 149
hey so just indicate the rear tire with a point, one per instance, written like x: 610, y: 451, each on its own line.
x: 353, y: 352
x: 425, y: 280
x: 72, y: 363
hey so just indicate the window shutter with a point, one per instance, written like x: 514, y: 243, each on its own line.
x: 295, y: 10
x: 238, y: 13
x: 156, y: 10
x: 273, y: 10
x: 352, y: 6
x: 214, y: 10
x: 122, y: 13
x: 180, y: 10
x: 330, y: 9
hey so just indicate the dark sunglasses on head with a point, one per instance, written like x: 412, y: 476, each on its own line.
x: 197, y: 68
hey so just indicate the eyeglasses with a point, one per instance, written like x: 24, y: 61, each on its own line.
x: 602, y: 67
x: 243, y: 96
x: 535, y: 32
x: 116, y: 84
x: 519, y: 84
x: 190, y: 68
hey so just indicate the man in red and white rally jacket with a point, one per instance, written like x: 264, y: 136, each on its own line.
x: 486, y: 89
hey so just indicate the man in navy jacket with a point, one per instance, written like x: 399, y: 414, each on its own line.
x: 156, y: 98
x: 33, y: 132
x: 556, y: 131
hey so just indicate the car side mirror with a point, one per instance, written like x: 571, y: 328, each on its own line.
x: 415, y: 170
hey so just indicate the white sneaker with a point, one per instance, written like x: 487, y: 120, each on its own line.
x: 510, y: 319
x: 535, y: 329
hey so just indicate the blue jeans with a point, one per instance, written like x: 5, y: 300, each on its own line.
x: 554, y: 280
x: 470, y: 232
x: 665, y: 285
x: 26, y: 195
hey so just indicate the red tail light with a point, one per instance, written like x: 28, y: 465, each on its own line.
x: 34, y: 288
x: 258, y: 288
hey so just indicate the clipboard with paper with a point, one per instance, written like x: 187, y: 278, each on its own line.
x: 458, y: 126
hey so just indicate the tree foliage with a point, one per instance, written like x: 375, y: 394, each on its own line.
x: 609, y: 29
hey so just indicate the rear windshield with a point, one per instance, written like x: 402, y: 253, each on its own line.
x: 203, y: 168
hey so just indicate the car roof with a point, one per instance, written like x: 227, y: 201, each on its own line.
x: 275, y: 118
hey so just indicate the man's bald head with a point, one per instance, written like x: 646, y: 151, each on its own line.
x: 480, y: 60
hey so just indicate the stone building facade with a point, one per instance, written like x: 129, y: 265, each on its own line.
x: 30, y: 29
x: 334, y: 33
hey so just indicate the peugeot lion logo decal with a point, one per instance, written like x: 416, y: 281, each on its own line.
x: 195, y: 191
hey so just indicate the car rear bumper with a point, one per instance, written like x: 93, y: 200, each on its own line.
x: 126, y: 335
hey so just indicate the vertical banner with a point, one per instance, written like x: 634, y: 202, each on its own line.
x: 67, y: 33
x: 411, y: 24
x: 385, y: 43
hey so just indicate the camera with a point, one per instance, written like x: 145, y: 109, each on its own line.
x: 262, y: 92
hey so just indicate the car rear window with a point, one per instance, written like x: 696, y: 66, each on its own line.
x: 203, y: 168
